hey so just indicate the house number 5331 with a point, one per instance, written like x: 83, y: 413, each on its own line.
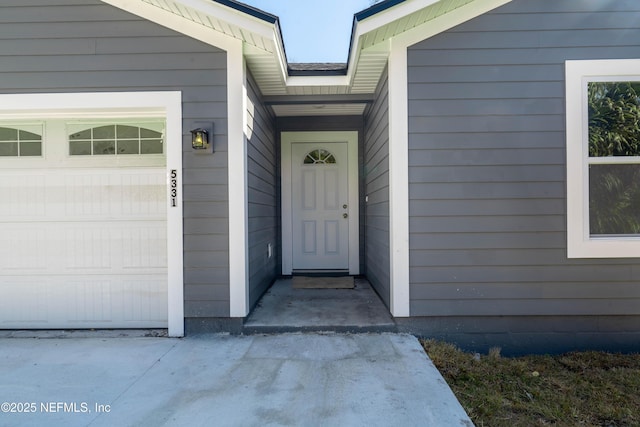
x: 173, y: 182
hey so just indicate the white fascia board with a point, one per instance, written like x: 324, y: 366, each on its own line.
x: 449, y: 20
x: 419, y: 33
x: 280, y: 52
x: 392, y: 14
x: 191, y: 28
x: 174, y: 22
x: 231, y: 16
x: 237, y: 174
x: 256, y: 26
x: 377, y: 21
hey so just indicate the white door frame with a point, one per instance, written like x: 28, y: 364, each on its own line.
x: 351, y: 138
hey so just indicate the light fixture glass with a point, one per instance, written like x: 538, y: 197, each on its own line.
x: 200, y: 139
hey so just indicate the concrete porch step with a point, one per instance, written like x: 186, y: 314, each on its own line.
x: 285, y: 309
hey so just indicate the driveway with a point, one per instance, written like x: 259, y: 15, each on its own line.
x: 312, y: 379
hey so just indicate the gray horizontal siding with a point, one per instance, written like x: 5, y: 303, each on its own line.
x: 85, y: 45
x: 262, y: 194
x: 376, y: 187
x: 487, y: 164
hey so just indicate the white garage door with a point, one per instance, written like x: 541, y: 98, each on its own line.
x: 83, y: 225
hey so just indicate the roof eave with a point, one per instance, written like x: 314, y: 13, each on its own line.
x: 381, y: 18
x: 249, y: 10
x: 222, y: 23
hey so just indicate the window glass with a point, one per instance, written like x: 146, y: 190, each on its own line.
x: 80, y: 148
x: 104, y: 132
x: 151, y: 146
x: 614, y: 158
x: 24, y: 135
x: 30, y: 148
x: 101, y: 148
x: 614, y: 117
x: 84, y: 134
x: 20, y: 140
x: 614, y: 199
x: 8, y: 134
x: 115, y: 139
x: 319, y: 156
x: 124, y: 131
x: 9, y: 149
x: 128, y: 146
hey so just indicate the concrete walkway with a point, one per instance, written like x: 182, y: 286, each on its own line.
x: 312, y: 379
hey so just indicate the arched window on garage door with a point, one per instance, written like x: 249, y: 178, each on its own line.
x: 95, y: 139
x: 20, y: 140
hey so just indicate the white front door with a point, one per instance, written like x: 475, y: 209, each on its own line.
x: 320, y: 207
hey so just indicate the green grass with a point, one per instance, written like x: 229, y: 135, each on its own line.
x: 573, y: 389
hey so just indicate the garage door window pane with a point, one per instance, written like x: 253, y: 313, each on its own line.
x: 20, y: 141
x: 30, y: 148
x: 80, y: 148
x: 101, y: 148
x: 124, y: 131
x: 104, y: 132
x: 116, y: 139
x: 8, y: 134
x: 9, y: 149
x: 128, y: 146
x: 151, y: 146
x: 82, y: 135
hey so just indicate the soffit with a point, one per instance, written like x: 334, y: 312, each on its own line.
x: 262, y: 44
x: 264, y: 52
x: 404, y: 17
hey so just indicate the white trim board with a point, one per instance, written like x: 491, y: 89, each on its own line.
x: 399, y: 181
x: 167, y: 105
x: 181, y: 24
x: 351, y: 137
x: 238, y: 184
x: 399, y: 144
x: 580, y: 244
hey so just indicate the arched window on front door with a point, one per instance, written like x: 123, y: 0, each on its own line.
x: 319, y: 156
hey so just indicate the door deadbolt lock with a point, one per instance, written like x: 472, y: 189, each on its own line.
x: 344, y: 206
x: 344, y: 215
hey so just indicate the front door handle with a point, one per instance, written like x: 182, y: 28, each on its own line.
x: 345, y: 215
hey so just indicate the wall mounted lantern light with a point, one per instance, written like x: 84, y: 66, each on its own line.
x: 200, y: 139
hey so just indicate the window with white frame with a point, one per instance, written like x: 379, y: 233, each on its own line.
x: 603, y: 158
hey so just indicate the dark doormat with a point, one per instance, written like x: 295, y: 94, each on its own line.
x: 304, y: 282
